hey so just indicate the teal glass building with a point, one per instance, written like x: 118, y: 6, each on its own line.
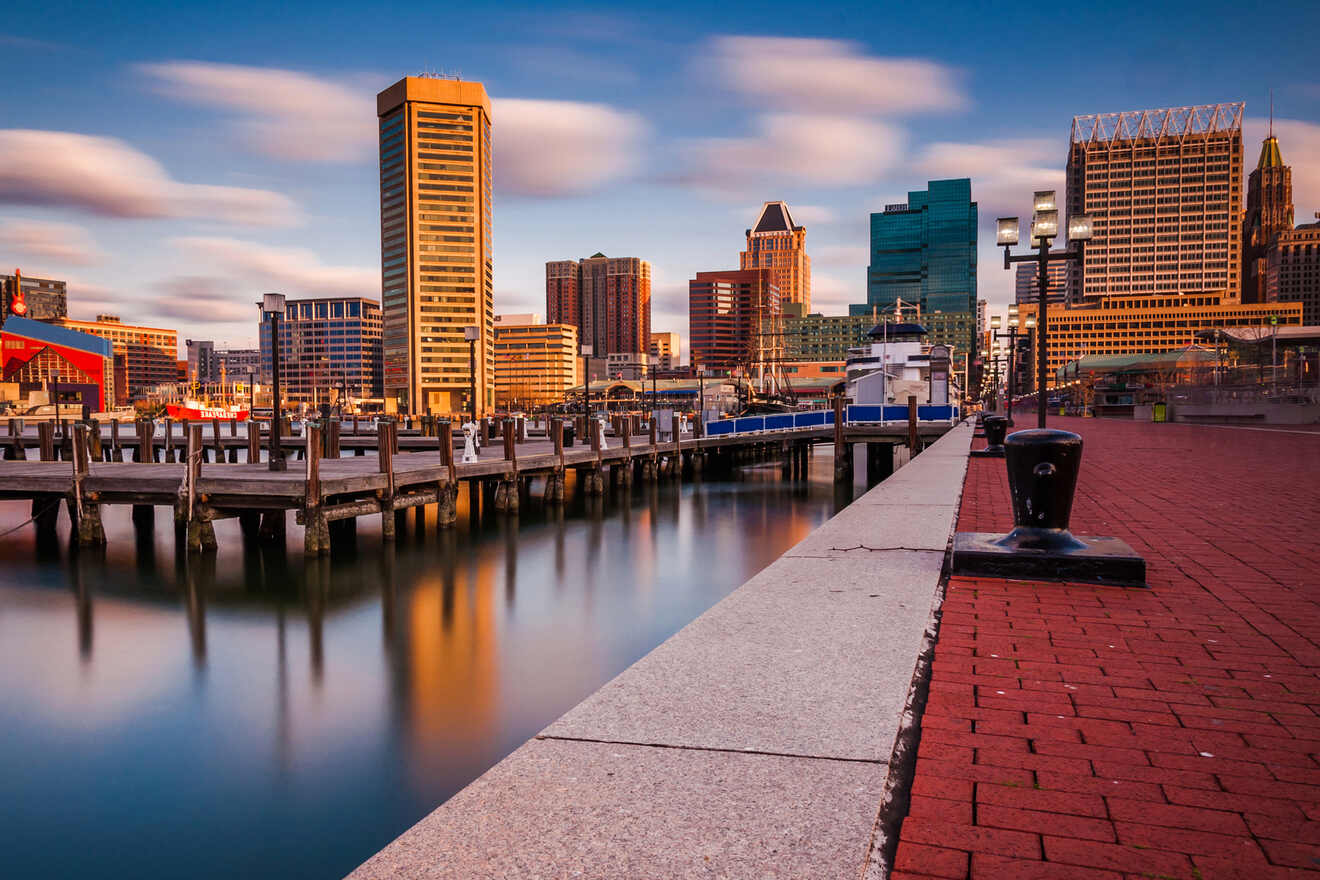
x: 924, y: 252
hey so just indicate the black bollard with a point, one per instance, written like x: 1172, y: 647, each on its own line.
x: 1042, y: 478
x: 995, y: 429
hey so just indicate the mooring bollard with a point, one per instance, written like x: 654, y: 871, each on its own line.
x: 995, y: 429
x: 1042, y: 467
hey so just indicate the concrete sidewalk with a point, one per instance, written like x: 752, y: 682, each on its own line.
x: 754, y: 743
x: 1092, y: 733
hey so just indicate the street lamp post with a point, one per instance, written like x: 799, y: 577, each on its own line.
x: 272, y: 307
x: 1044, y: 228
x: 470, y: 336
x: 1012, y: 337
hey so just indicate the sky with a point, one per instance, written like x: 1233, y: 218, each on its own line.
x: 172, y: 161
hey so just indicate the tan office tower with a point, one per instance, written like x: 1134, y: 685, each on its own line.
x: 776, y: 244
x: 435, y: 244
x: 1164, y: 190
x: 1269, y: 214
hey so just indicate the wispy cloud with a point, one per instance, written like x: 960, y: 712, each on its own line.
x: 832, y: 76
x: 106, y: 176
x: 250, y: 267
x: 559, y: 148
x: 205, y: 300
x: 280, y: 113
x: 796, y: 148
x: 60, y: 243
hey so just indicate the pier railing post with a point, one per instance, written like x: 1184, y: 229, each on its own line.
x: 14, y: 449
x: 914, y: 440
x: 215, y: 440
x: 46, y: 441
x: 447, y: 489
x: 253, y: 440
x: 116, y: 450
x: 146, y: 436
x: 169, y: 440
x: 843, y: 471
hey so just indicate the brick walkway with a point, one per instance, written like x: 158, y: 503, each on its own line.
x: 1080, y: 732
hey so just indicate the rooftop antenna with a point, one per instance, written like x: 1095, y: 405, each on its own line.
x: 1271, y: 112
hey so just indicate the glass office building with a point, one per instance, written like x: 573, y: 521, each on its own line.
x: 328, y: 346
x: 924, y: 253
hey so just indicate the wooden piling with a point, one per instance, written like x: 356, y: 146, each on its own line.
x: 89, y: 529
x: 201, y: 533
x: 385, y: 457
x: 446, y: 507
x: 253, y: 440
x: 46, y: 440
x: 316, y: 529
x: 843, y: 465
x: 146, y: 431
x: 116, y: 451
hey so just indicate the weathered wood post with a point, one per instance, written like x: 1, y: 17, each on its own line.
x: 594, y: 482
x: 46, y: 441
x: 446, y: 498
x: 316, y: 530
x: 506, y: 491
x: 201, y: 533
x: 169, y: 439
x: 332, y: 439
x: 385, y: 458
x: 94, y: 446
x: 554, y: 480
x: 253, y: 440
x: 215, y: 441
x: 146, y: 434
x: 843, y: 465
x: 14, y: 448
x: 88, y: 509
x: 116, y: 451
x: 914, y: 440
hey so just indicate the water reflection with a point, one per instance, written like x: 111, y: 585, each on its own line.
x: 307, y: 711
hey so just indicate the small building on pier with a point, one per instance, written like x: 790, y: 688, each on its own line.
x: 36, y: 356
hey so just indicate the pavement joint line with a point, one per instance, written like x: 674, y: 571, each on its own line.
x: 655, y: 745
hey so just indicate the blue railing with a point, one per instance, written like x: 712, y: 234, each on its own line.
x: 854, y: 414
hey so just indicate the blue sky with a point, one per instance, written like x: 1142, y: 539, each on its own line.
x: 140, y: 159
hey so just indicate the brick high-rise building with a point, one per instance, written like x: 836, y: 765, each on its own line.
x: 1163, y: 188
x: 1269, y: 214
x: 776, y: 243
x: 150, y: 354
x: 727, y: 316
x: 437, y: 273
x: 1292, y: 271
x: 607, y: 298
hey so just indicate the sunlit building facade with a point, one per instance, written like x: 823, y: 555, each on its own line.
x: 727, y: 316
x: 1144, y: 324
x: 329, y: 348
x: 535, y: 364
x: 665, y: 348
x: 1269, y: 215
x: 1163, y: 189
x: 607, y: 298
x: 150, y: 354
x: 437, y: 271
x: 1293, y: 270
x: 777, y: 244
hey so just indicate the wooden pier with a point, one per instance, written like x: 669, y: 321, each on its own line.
x: 197, y: 472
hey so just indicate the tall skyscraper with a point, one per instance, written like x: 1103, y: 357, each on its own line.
x: 1269, y: 213
x: 1164, y: 193
x: 1027, y: 280
x: 924, y: 252
x: 777, y: 244
x: 728, y: 313
x: 607, y: 298
x: 437, y: 274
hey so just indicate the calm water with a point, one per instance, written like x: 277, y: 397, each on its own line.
x: 257, y: 715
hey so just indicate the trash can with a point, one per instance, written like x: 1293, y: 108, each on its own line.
x: 1159, y: 412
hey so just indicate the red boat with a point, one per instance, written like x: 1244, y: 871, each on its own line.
x: 196, y: 411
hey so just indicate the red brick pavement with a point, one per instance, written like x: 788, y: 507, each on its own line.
x: 1077, y: 731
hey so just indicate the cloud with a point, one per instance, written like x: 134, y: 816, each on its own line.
x: 832, y: 295
x: 1299, y: 142
x: 1004, y: 173
x: 203, y: 299
x: 560, y: 148
x: 832, y: 76
x: 280, y: 113
x: 854, y: 255
x: 796, y: 147
x: 565, y: 63
x: 254, y: 268
x: 44, y: 240
x: 107, y: 177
